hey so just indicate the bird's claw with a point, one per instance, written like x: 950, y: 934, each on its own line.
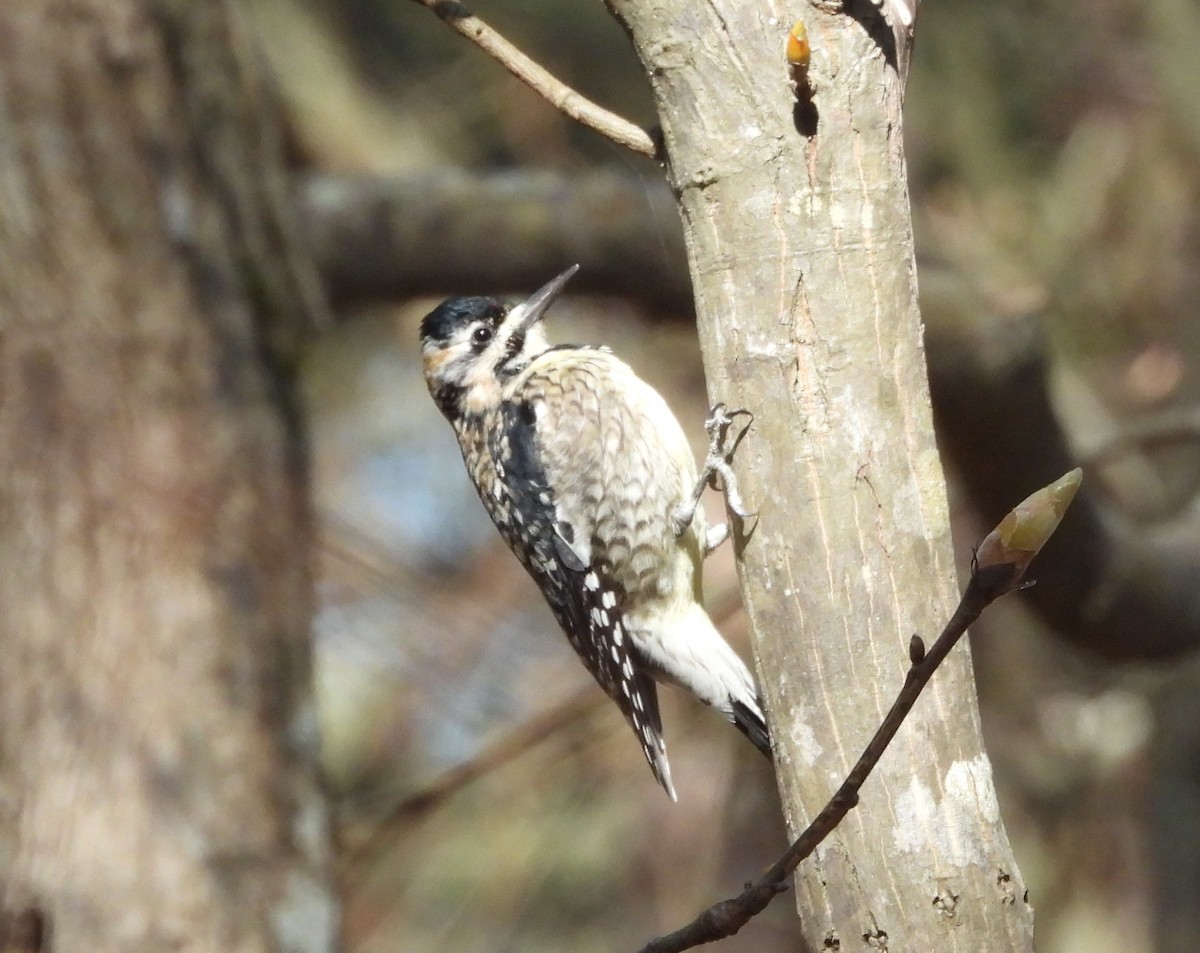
x: 716, y: 463
x: 720, y: 419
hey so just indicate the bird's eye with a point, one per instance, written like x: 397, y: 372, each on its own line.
x: 481, y: 335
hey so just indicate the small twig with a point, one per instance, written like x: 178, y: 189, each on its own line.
x: 541, y: 81
x: 1000, y: 562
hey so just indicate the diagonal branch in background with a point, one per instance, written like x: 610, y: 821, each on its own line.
x: 998, y: 566
x: 356, y: 857
x: 561, y: 96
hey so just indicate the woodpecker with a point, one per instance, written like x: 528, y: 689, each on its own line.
x: 590, y: 480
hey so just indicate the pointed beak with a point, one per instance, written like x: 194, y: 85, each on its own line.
x: 533, y: 310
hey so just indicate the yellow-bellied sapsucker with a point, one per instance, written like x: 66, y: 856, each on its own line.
x: 589, y: 478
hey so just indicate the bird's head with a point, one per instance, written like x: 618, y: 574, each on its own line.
x: 470, y: 346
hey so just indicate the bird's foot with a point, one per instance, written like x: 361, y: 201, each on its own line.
x: 716, y: 463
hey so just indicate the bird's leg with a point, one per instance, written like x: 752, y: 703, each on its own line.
x: 716, y: 464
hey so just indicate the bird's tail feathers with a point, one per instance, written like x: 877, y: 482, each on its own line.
x: 693, y: 654
x: 748, y: 719
x: 648, y: 727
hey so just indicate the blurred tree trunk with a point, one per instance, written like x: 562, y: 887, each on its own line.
x: 800, y: 248
x: 155, y: 719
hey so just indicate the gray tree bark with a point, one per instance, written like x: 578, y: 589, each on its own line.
x: 800, y: 248
x: 155, y: 718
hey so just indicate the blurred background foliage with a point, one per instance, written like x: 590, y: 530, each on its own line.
x: 488, y: 798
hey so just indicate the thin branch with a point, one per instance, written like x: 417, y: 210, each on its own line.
x: 382, y: 833
x: 541, y: 81
x: 727, y: 917
x: 506, y: 749
x: 1001, y: 561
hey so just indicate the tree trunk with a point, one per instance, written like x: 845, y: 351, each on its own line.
x: 155, y: 720
x: 800, y: 246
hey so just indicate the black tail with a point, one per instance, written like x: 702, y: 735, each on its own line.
x: 749, y: 721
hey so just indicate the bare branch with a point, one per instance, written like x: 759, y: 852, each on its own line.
x: 1010, y: 549
x: 448, y: 231
x: 541, y: 81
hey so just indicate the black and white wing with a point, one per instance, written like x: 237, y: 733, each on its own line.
x: 586, y: 600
